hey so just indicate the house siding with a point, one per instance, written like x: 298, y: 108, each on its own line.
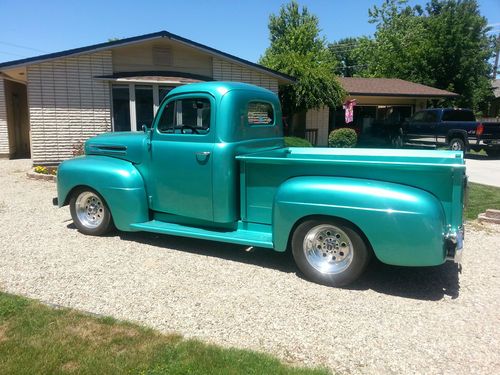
x: 318, y: 119
x: 228, y: 71
x: 141, y: 57
x: 67, y: 105
x: 4, y: 130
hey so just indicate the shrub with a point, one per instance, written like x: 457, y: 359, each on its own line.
x: 297, y: 142
x: 343, y: 137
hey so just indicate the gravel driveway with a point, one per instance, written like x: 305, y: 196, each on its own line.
x: 394, y: 320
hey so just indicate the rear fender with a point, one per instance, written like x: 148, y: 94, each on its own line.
x: 118, y: 181
x: 404, y: 225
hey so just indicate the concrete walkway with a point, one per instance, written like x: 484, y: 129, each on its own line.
x: 483, y: 170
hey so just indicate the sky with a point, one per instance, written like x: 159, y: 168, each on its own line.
x: 30, y: 28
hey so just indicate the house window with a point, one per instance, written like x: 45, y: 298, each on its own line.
x: 144, y: 105
x: 135, y: 105
x: 121, y: 108
x: 163, y: 91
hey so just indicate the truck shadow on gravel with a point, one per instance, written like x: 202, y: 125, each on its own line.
x: 423, y: 283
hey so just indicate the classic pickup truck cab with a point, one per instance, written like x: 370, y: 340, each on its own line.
x: 214, y: 166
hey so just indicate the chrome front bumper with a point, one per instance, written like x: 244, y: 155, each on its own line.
x: 454, y: 244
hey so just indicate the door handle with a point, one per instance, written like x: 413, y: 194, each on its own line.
x: 202, y: 156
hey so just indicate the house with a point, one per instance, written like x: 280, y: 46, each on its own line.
x: 383, y: 101
x: 50, y: 103
x: 495, y: 103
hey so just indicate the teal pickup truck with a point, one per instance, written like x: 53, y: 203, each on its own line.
x: 214, y: 166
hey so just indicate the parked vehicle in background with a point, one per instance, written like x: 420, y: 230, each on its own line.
x: 455, y: 128
x: 214, y: 166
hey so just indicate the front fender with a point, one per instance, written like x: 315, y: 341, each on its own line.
x: 404, y: 225
x: 118, y: 181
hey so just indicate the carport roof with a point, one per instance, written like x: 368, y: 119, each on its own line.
x: 160, y: 34
x: 391, y: 87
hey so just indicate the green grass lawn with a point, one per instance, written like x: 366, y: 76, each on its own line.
x: 36, y: 339
x: 481, y: 197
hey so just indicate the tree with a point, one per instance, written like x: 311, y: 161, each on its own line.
x: 344, y: 52
x: 444, y: 45
x: 297, y: 49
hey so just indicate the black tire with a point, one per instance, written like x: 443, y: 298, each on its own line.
x: 347, y: 271
x: 397, y: 141
x: 456, y: 144
x: 90, y: 213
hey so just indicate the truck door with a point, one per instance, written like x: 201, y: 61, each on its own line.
x: 422, y: 128
x: 180, y: 174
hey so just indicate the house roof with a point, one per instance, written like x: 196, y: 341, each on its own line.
x: 165, y: 77
x: 390, y: 87
x: 141, y: 38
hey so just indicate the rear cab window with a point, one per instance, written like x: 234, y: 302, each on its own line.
x: 260, y: 113
x: 458, y: 115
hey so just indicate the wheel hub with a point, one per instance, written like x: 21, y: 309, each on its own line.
x: 89, y: 209
x: 328, y: 249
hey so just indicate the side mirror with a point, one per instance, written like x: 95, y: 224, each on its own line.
x: 144, y: 128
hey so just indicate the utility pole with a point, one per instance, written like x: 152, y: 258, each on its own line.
x: 497, y: 52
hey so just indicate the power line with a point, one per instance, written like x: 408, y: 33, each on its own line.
x: 12, y: 54
x: 20, y: 46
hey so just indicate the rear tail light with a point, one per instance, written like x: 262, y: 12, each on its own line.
x: 479, y: 129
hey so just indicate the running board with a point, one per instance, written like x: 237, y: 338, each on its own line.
x: 239, y: 236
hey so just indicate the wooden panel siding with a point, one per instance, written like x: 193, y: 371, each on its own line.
x: 228, y: 71
x: 161, y: 55
x: 318, y: 119
x: 4, y: 132
x: 67, y: 105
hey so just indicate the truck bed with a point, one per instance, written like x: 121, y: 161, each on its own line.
x: 430, y: 170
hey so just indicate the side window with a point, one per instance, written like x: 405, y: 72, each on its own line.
x: 448, y: 116
x: 260, y: 113
x: 431, y: 116
x: 166, y: 122
x: 419, y: 116
x: 186, y: 116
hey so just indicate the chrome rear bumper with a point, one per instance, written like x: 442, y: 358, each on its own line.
x: 454, y: 244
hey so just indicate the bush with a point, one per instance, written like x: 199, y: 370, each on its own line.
x: 343, y: 137
x: 297, y: 142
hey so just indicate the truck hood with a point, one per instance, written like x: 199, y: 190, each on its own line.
x: 129, y: 146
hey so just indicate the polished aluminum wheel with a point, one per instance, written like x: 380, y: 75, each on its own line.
x: 328, y: 249
x: 89, y: 209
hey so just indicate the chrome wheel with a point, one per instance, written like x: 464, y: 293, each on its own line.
x: 90, y: 210
x: 457, y: 144
x: 328, y: 249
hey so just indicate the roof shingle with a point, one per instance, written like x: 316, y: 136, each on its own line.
x: 390, y: 87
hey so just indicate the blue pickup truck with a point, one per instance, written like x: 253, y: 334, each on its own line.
x: 455, y: 128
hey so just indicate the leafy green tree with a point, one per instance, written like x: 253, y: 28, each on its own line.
x: 444, y: 45
x: 349, y: 63
x: 297, y: 49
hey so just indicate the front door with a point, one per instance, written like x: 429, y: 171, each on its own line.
x: 180, y: 179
